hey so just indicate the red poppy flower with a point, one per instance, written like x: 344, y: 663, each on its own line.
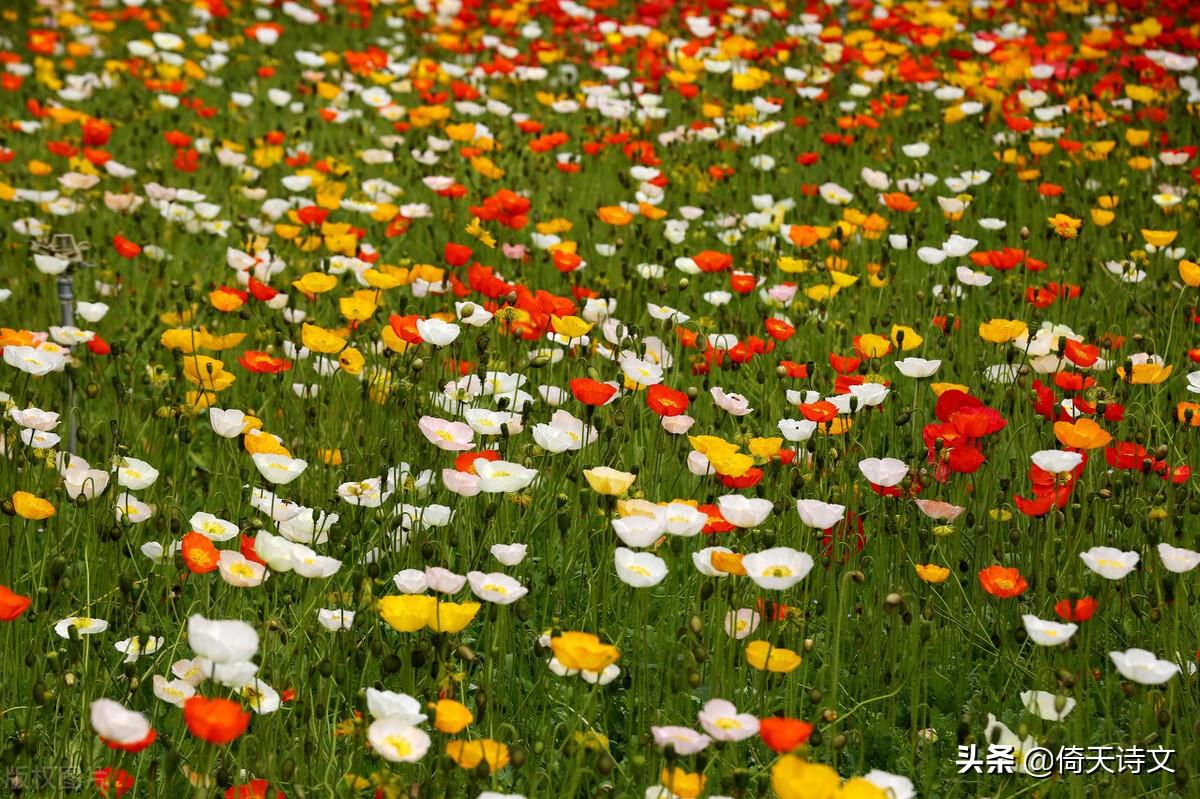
x: 712, y: 261
x: 95, y: 132
x: 465, y: 462
x: 592, y: 392
x: 246, y: 547
x: 1083, y: 355
x: 795, y: 370
x: 843, y: 364
x: 821, y: 411
x: 742, y: 282
x: 215, y: 721
x: 255, y: 789
x: 1077, y: 611
x: 112, y: 782
x: 406, y: 328
x: 752, y: 477
x: 1043, y: 501
x: 666, y: 401
x: 456, y: 254
x: 312, y: 215
x: 773, y: 611
x: 125, y: 248
x: 844, y: 383
x: 977, y: 421
x: 783, y: 734
x: 177, y: 139
x: 12, y: 604
x: 98, y: 346
x: 964, y: 459
x: 261, y: 291
x: 779, y: 329
x: 716, y: 522
x: 1073, y: 381
x: 566, y: 261
x: 1125, y: 455
x: 844, y: 539
x: 263, y: 362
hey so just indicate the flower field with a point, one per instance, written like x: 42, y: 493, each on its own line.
x: 583, y: 398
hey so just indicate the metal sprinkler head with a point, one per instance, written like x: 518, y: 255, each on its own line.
x: 64, y: 246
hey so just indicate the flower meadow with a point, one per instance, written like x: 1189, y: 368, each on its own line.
x: 599, y: 399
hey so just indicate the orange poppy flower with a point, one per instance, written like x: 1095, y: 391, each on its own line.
x: 804, y: 235
x: 899, y: 201
x: 199, y: 554
x: 728, y: 562
x: 1002, y: 582
x: 614, y: 215
x: 215, y: 721
x: 1081, y: 434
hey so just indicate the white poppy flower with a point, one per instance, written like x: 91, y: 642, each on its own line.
x: 778, y: 568
x: 820, y: 515
x: 1143, y: 667
x: 1047, y: 633
x: 639, y: 569
x: 222, y: 641
x: 1110, y: 563
x: 1044, y: 705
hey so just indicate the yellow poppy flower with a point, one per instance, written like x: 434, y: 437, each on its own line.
x: 1001, y: 331
x: 909, y: 341
x: 1159, y: 238
x: 469, y: 754
x: 451, y: 717
x: 356, y: 309
x: 730, y: 464
x: 609, y: 482
x: 765, y: 448
x: 318, y: 339
x: 684, y: 784
x: 1066, y: 227
x: 764, y: 657
x: 407, y: 613
x: 570, y: 326
x: 31, y: 507
x: 873, y: 346
x: 583, y: 651
x: 315, y: 283
x: 1189, y: 273
x: 932, y: 573
x: 795, y: 778
x: 351, y: 361
x: 452, y: 617
x: 1146, y: 374
x: 208, y: 373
